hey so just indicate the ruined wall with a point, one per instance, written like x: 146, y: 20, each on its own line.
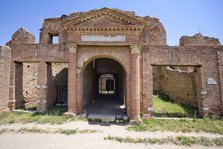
x: 154, y: 33
x: 180, y: 84
x: 199, y: 40
x: 220, y: 68
x: 30, y: 84
x: 57, y: 76
x: 5, y: 62
x: 156, y: 78
x: 205, y: 57
x: 21, y: 36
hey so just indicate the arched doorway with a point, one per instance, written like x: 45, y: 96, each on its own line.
x: 104, y: 87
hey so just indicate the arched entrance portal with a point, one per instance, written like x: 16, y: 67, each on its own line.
x: 104, y: 87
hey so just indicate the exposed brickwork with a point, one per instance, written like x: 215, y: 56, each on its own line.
x: 21, y: 36
x: 122, y: 56
x: 135, y: 82
x: 72, y: 80
x: 179, y: 83
x: 198, y: 51
x: 220, y: 69
x: 5, y: 59
x: 30, y: 84
x: 42, y: 86
x: 199, y: 40
x: 206, y: 57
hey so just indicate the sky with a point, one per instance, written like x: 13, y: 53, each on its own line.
x: 179, y: 17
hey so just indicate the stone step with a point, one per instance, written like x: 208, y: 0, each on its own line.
x: 102, y: 117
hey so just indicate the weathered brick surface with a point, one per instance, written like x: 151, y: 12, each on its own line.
x: 30, y: 83
x: 42, y: 86
x: 196, y: 51
x: 21, y: 36
x: 5, y: 59
x: 72, y: 80
x: 199, y: 40
x: 220, y: 69
x: 179, y: 83
x: 206, y: 57
x: 135, y: 82
x: 85, y: 55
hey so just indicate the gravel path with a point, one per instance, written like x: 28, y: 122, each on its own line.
x: 85, y: 141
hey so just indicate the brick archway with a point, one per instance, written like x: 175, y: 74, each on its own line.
x: 84, y: 59
x: 95, y: 75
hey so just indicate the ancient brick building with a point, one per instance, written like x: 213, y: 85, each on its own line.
x: 109, y: 55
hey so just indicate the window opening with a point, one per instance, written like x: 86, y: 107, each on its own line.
x: 106, y: 84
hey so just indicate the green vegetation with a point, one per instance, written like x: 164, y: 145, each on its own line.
x: 52, y: 116
x: 74, y: 131
x: 52, y: 131
x: 181, y: 125
x: 165, y: 107
x: 179, y: 140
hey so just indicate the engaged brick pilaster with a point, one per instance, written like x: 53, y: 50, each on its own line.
x: 42, y: 87
x: 72, y: 80
x: 11, y: 103
x: 147, y: 90
x: 220, y: 69
x: 135, y: 83
x: 79, y: 94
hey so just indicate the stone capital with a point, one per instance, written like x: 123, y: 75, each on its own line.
x: 135, y: 48
x: 72, y: 48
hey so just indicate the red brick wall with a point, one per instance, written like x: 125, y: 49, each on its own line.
x: 206, y: 57
x: 5, y: 62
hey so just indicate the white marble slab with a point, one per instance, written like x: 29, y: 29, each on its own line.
x: 103, y: 38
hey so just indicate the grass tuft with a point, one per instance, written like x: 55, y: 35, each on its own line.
x: 52, y: 116
x: 199, y: 125
x: 179, y: 140
x: 166, y: 107
x: 53, y: 131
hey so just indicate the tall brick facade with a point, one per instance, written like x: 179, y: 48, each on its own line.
x: 137, y: 44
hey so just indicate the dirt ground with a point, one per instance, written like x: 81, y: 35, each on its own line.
x: 88, y: 140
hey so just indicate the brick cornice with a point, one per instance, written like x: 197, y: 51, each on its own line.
x: 126, y: 22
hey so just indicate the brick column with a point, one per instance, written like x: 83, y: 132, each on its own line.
x: 135, y: 84
x: 42, y: 87
x: 220, y: 73
x: 79, y: 94
x: 11, y: 103
x: 72, y: 80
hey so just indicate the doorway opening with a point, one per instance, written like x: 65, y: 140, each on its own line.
x: 104, y: 87
x: 176, y: 90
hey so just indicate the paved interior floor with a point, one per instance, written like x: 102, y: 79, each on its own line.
x: 106, y: 105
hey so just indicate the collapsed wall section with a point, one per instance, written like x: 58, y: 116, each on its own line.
x: 5, y: 62
x: 30, y: 84
x: 180, y: 83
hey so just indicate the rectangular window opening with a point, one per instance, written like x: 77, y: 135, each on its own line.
x: 55, y: 39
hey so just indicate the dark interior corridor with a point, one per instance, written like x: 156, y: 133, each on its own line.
x: 103, y: 87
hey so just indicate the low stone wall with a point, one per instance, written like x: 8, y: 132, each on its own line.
x: 5, y: 62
